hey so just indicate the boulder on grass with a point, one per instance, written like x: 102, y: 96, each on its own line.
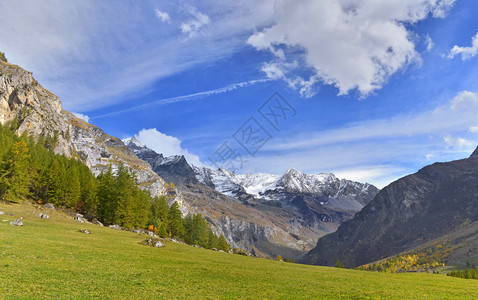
x: 43, y: 216
x: 85, y: 231
x: 49, y: 205
x: 79, y: 218
x: 154, y: 242
x: 16, y: 222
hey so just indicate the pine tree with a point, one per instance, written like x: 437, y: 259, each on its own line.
x: 73, y: 188
x: 56, y: 182
x: 143, y: 208
x: 212, y: 241
x: 88, y: 192
x: 339, y: 264
x: 222, y: 244
x: 14, y: 177
x: 107, y: 196
x: 176, y: 226
x: 127, y: 198
x: 159, y: 212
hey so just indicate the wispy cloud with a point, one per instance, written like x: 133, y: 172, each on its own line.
x: 163, y: 16
x: 378, y: 150
x: 195, y: 96
x: 466, y: 52
x: 102, y: 53
x: 82, y: 116
x: 192, y: 26
x: 458, y: 114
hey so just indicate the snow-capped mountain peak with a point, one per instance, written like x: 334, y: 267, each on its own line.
x: 295, y: 181
x: 133, y: 141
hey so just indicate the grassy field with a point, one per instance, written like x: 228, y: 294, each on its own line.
x: 51, y: 259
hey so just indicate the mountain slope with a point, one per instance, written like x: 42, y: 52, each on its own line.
x: 172, y: 169
x: 437, y: 200
x: 38, y: 112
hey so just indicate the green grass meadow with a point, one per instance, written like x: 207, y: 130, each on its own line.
x: 51, y: 259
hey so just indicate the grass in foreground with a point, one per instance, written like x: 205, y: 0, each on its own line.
x: 51, y: 259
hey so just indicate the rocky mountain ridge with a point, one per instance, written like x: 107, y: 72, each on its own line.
x: 264, y: 213
x: 437, y: 204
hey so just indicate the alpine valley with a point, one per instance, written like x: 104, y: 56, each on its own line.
x: 265, y: 214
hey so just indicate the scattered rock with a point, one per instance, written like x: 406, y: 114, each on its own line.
x: 80, y: 218
x: 49, y: 205
x: 115, y: 226
x: 43, y: 216
x: 139, y: 231
x: 153, y: 242
x: 214, y: 249
x: 86, y: 231
x: 96, y: 222
x: 221, y: 250
x: 2, y: 213
x: 16, y: 222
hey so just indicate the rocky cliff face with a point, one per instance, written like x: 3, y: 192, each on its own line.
x: 419, y: 208
x: 474, y: 154
x: 39, y: 112
x: 172, y: 169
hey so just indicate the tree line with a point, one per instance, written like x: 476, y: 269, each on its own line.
x: 31, y: 171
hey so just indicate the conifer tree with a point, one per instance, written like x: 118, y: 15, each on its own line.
x: 143, y: 208
x: 56, y: 181
x: 212, y: 241
x: 14, y: 177
x: 127, y: 198
x: 107, y: 196
x: 222, y: 243
x: 159, y: 212
x: 73, y: 187
x: 88, y: 192
x: 176, y: 226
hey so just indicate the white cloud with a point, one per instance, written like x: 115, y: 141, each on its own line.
x: 457, y: 115
x: 306, y: 87
x: 457, y: 142
x: 379, y: 175
x: 473, y: 129
x: 466, y: 52
x: 192, y: 27
x: 429, y: 43
x: 442, y: 7
x: 166, y: 145
x: 163, y: 16
x: 350, y: 44
x: 82, y: 116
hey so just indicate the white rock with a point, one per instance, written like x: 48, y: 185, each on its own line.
x: 16, y: 222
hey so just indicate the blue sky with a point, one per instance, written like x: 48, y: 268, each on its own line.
x: 379, y: 89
